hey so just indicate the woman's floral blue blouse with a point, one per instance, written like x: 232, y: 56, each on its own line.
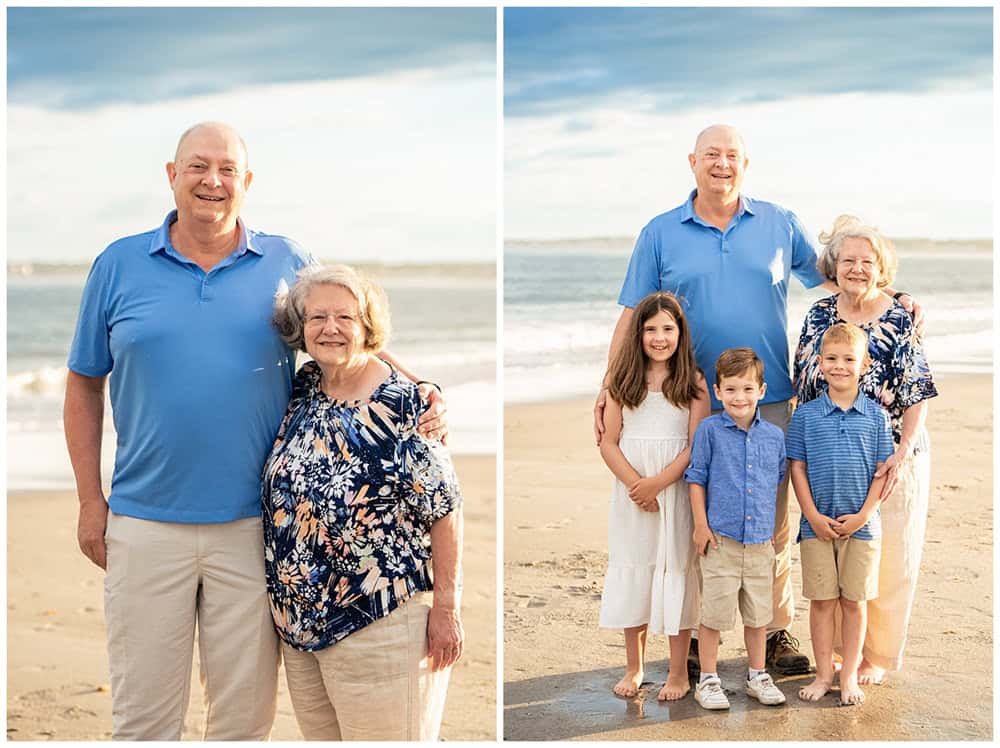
x: 898, y: 376
x: 350, y: 491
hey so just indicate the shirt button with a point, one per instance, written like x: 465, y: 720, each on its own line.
x: 749, y: 466
x: 749, y: 490
x: 748, y: 516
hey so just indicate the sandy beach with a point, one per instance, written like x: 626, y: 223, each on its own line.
x: 57, y: 671
x: 559, y: 667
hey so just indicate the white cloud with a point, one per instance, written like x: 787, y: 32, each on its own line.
x: 388, y: 168
x: 916, y: 165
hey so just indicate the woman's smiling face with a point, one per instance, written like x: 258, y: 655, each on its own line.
x: 858, y: 269
x: 333, y: 331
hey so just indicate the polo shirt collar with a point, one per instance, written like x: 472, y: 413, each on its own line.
x: 860, y: 404
x: 688, y: 214
x: 161, y: 238
x: 728, y: 422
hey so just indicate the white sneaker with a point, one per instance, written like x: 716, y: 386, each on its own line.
x: 763, y: 689
x: 710, y: 695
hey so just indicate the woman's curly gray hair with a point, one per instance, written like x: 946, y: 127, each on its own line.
x: 373, y: 306
x: 851, y: 227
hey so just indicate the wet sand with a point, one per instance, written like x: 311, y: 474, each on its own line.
x: 559, y: 667
x: 57, y: 670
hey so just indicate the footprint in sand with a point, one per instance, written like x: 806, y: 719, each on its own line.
x: 559, y: 525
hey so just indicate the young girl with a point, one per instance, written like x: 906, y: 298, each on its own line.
x: 656, y: 399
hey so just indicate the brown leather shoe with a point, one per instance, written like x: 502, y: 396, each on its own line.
x: 783, y: 655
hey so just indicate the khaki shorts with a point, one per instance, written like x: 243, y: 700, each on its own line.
x: 846, y: 567
x: 736, y: 573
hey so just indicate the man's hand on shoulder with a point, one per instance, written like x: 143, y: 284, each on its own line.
x: 433, y: 424
x: 602, y: 398
x: 90, y: 529
x: 916, y: 311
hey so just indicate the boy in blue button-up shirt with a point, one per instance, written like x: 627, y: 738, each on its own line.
x: 737, y: 462
x: 835, y: 445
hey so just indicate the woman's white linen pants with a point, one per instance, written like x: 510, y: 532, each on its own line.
x: 162, y: 580
x: 904, y: 524
x: 376, y: 684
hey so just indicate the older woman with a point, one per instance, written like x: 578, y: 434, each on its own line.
x: 863, y: 262
x: 360, y: 514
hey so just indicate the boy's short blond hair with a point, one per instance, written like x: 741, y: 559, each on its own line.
x: 844, y: 332
x: 733, y: 362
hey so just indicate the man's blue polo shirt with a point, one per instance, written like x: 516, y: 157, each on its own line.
x: 199, y: 378
x: 733, y: 284
x: 841, y: 450
x: 740, y: 471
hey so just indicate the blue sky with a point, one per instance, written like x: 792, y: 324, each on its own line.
x: 371, y: 130
x: 84, y: 57
x: 602, y: 106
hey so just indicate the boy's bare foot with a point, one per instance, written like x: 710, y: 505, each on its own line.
x: 870, y: 674
x: 675, y: 688
x: 815, y: 690
x: 850, y: 693
x: 628, y: 686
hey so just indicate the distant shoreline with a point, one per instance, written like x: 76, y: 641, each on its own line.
x: 483, y: 269
x: 625, y: 244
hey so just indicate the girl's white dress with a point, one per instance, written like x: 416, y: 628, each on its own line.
x: 652, y: 570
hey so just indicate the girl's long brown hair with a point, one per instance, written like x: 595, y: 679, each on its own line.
x: 627, y: 373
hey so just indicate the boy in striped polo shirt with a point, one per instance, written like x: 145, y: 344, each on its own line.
x: 835, y: 444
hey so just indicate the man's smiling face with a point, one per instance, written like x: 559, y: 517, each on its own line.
x: 209, y: 176
x: 719, y: 162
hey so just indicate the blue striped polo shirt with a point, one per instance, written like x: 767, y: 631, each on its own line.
x: 841, y: 450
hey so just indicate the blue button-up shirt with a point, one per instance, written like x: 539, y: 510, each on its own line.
x: 841, y: 450
x: 740, y: 471
x: 733, y: 284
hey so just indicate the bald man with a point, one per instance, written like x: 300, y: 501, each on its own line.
x: 179, y: 317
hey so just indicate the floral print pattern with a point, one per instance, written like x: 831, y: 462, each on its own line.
x: 350, y: 491
x: 899, y: 375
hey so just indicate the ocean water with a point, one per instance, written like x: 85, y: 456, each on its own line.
x: 444, y: 329
x: 560, y: 308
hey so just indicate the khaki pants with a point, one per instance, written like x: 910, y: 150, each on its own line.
x: 373, y: 685
x: 163, y: 579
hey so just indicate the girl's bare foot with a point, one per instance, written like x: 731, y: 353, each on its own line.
x: 837, y: 665
x: 628, y: 686
x: 676, y: 686
x: 870, y: 674
x: 850, y: 693
x: 815, y: 690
